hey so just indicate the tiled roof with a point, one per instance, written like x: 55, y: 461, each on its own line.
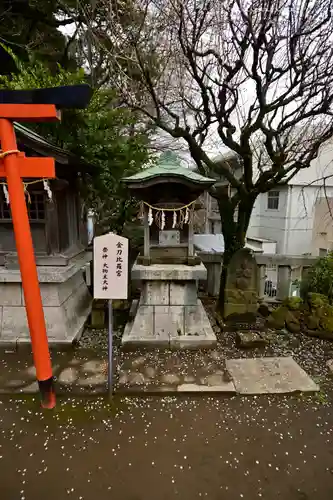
x: 168, y: 167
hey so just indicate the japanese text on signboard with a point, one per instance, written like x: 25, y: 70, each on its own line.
x: 110, y: 266
x: 119, y: 259
x: 105, y: 269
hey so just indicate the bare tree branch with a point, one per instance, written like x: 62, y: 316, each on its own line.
x: 254, y: 76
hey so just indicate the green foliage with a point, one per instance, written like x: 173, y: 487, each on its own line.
x: 319, y: 278
x: 30, y: 28
x: 326, y: 321
x: 293, y: 303
x: 317, y: 300
x: 278, y: 317
x: 105, y: 135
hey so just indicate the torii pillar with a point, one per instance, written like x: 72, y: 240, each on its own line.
x: 32, y: 105
x: 14, y: 166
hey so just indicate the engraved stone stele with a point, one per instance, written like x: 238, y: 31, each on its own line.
x: 241, y: 286
x: 169, y: 313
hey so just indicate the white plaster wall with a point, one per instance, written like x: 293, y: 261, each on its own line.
x: 292, y: 226
x: 322, y: 231
x: 269, y: 247
x: 254, y: 225
x: 319, y: 167
x: 270, y: 224
x: 300, y: 220
x: 300, y: 225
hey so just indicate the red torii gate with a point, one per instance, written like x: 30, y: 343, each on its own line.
x: 14, y: 166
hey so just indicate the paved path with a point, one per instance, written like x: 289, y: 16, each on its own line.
x: 167, y: 448
x: 83, y: 371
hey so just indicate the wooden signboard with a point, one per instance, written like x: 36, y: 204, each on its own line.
x: 110, y: 267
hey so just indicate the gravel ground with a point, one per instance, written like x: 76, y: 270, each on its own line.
x: 310, y: 353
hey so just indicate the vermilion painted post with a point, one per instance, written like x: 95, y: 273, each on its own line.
x: 28, y: 268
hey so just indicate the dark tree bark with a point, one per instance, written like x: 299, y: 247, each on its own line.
x: 234, y: 228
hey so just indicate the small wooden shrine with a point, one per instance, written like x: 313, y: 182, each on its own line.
x: 169, y: 313
x: 168, y: 193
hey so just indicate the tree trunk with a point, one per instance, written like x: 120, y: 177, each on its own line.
x: 234, y: 234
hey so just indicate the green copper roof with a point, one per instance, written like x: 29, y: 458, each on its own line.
x: 168, y: 166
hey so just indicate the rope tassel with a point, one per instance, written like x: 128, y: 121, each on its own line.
x: 187, y: 213
x: 174, y: 222
x: 150, y: 216
x: 5, y: 192
x: 163, y: 220
x: 180, y: 216
x: 47, y: 188
x: 26, y: 192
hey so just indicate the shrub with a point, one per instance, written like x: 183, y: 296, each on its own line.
x: 319, y: 278
x: 293, y: 303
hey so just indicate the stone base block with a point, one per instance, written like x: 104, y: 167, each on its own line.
x: 67, y: 304
x: 178, y: 327
x: 169, y: 293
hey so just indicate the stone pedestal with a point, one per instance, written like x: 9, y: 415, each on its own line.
x: 169, y: 313
x: 65, y: 297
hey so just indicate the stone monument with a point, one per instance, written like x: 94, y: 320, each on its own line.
x: 241, y: 287
x: 169, y: 313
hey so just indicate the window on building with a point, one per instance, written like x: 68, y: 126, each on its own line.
x: 322, y: 252
x: 35, y: 205
x: 273, y: 200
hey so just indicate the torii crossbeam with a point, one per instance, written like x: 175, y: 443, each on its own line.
x: 29, y: 105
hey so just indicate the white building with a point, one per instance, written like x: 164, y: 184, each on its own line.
x: 297, y: 216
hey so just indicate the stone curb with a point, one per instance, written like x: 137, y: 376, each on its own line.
x: 63, y: 389
x: 227, y: 388
x: 176, y: 390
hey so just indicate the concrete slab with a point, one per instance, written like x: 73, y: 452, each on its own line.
x: 269, y: 376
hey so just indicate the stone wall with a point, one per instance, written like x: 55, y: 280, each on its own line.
x: 65, y: 297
